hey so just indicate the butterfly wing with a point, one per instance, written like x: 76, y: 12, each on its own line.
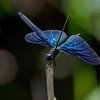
x: 36, y: 29
x: 52, y: 35
x: 34, y: 38
x: 47, y: 38
x: 79, y: 48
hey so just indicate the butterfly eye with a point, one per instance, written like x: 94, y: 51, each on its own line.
x: 48, y: 57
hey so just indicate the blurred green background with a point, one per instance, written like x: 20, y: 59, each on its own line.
x: 22, y: 65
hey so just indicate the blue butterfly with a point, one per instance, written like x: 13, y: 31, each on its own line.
x: 57, y: 41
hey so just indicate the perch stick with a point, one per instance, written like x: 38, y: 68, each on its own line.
x: 49, y: 77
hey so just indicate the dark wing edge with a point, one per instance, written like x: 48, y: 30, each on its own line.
x: 79, y: 48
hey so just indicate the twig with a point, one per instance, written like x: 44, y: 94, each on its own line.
x: 49, y: 76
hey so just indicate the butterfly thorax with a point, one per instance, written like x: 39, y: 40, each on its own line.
x: 52, y: 54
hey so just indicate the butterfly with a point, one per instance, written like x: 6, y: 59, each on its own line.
x: 57, y: 41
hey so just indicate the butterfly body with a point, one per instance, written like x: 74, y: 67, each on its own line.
x: 57, y: 41
x: 52, y: 54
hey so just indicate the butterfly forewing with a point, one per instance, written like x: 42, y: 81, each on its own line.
x: 79, y: 48
x: 52, y: 35
x: 36, y: 29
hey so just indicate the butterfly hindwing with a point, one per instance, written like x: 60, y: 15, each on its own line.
x: 35, y: 39
x: 79, y: 48
x: 53, y: 36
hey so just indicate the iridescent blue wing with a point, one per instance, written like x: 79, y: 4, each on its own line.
x: 79, y: 48
x: 37, y: 30
x: 52, y: 35
x: 46, y: 38
x: 34, y: 38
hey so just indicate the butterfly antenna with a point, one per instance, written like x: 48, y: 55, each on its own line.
x: 62, y: 29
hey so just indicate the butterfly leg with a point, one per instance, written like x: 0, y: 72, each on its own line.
x: 54, y: 63
x: 50, y: 62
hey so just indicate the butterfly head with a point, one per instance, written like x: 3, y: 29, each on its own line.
x: 48, y: 57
